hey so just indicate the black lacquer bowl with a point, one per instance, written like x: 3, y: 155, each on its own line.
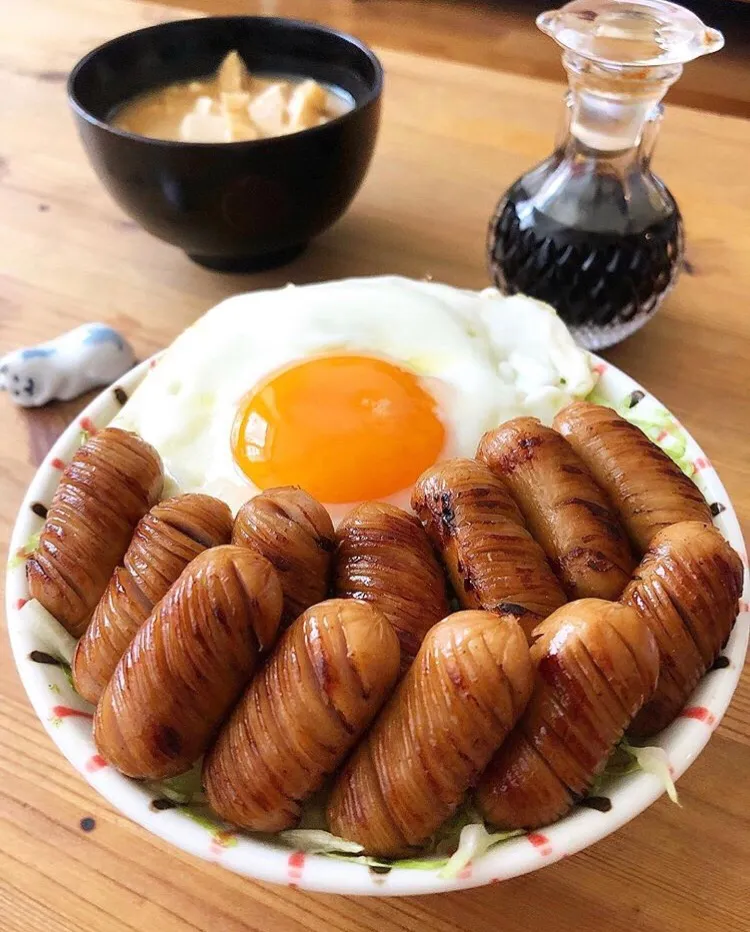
x: 237, y: 205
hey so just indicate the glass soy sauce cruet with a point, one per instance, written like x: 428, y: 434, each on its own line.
x: 591, y: 230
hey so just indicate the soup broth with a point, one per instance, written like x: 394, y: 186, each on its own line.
x: 232, y: 106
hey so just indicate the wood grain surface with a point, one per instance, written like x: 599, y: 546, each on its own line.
x: 502, y: 35
x: 453, y: 138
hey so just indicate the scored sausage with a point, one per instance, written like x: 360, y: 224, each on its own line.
x: 188, y: 664
x: 565, y: 510
x: 293, y: 531
x: 108, y: 486
x: 596, y: 664
x: 686, y: 589
x: 324, y: 683
x: 647, y: 488
x: 172, y: 534
x: 492, y: 560
x: 459, y: 699
x: 384, y: 557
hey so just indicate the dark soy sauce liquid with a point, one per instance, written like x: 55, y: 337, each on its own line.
x: 603, y: 285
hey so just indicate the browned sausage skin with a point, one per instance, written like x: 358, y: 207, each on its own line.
x: 323, y: 685
x: 383, y: 557
x: 565, y: 510
x: 467, y: 687
x: 492, y: 560
x: 686, y: 589
x: 105, y: 490
x: 596, y: 664
x: 648, y: 489
x: 188, y: 664
x: 293, y: 531
x: 172, y: 534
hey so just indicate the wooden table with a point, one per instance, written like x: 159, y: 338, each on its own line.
x: 453, y: 137
x: 502, y: 35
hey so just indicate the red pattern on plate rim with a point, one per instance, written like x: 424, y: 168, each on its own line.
x: 20, y: 603
x: 88, y: 425
x: 294, y: 867
x: 701, y: 462
x: 65, y: 711
x: 220, y: 841
x: 699, y: 713
x: 541, y: 843
x: 57, y: 463
x: 95, y: 763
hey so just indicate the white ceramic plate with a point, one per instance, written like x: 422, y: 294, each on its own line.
x: 67, y: 717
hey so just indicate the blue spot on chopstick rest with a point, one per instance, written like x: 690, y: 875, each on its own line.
x: 63, y: 368
x: 99, y: 334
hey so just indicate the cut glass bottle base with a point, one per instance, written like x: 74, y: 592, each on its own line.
x: 595, y: 337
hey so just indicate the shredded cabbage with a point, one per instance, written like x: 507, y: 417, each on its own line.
x: 317, y: 841
x: 23, y: 553
x: 620, y: 764
x: 653, y: 760
x: 185, y: 788
x: 461, y: 840
x: 474, y: 841
x: 627, y: 758
x: 458, y: 841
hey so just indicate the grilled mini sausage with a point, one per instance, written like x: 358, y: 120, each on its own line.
x: 188, y: 664
x: 565, y: 510
x: 294, y: 533
x: 596, y: 664
x: 384, y: 557
x: 172, y: 534
x: 492, y: 560
x: 323, y: 685
x: 686, y: 590
x: 104, y: 491
x: 647, y: 488
x: 465, y: 690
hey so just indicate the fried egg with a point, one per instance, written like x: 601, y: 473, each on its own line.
x: 350, y: 389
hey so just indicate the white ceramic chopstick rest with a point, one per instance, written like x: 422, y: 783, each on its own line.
x: 63, y: 368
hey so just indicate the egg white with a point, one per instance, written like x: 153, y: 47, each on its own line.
x: 484, y: 357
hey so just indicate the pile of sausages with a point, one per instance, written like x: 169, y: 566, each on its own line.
x: 284, y: 652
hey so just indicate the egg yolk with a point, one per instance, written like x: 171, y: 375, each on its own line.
x: 345, y: 428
